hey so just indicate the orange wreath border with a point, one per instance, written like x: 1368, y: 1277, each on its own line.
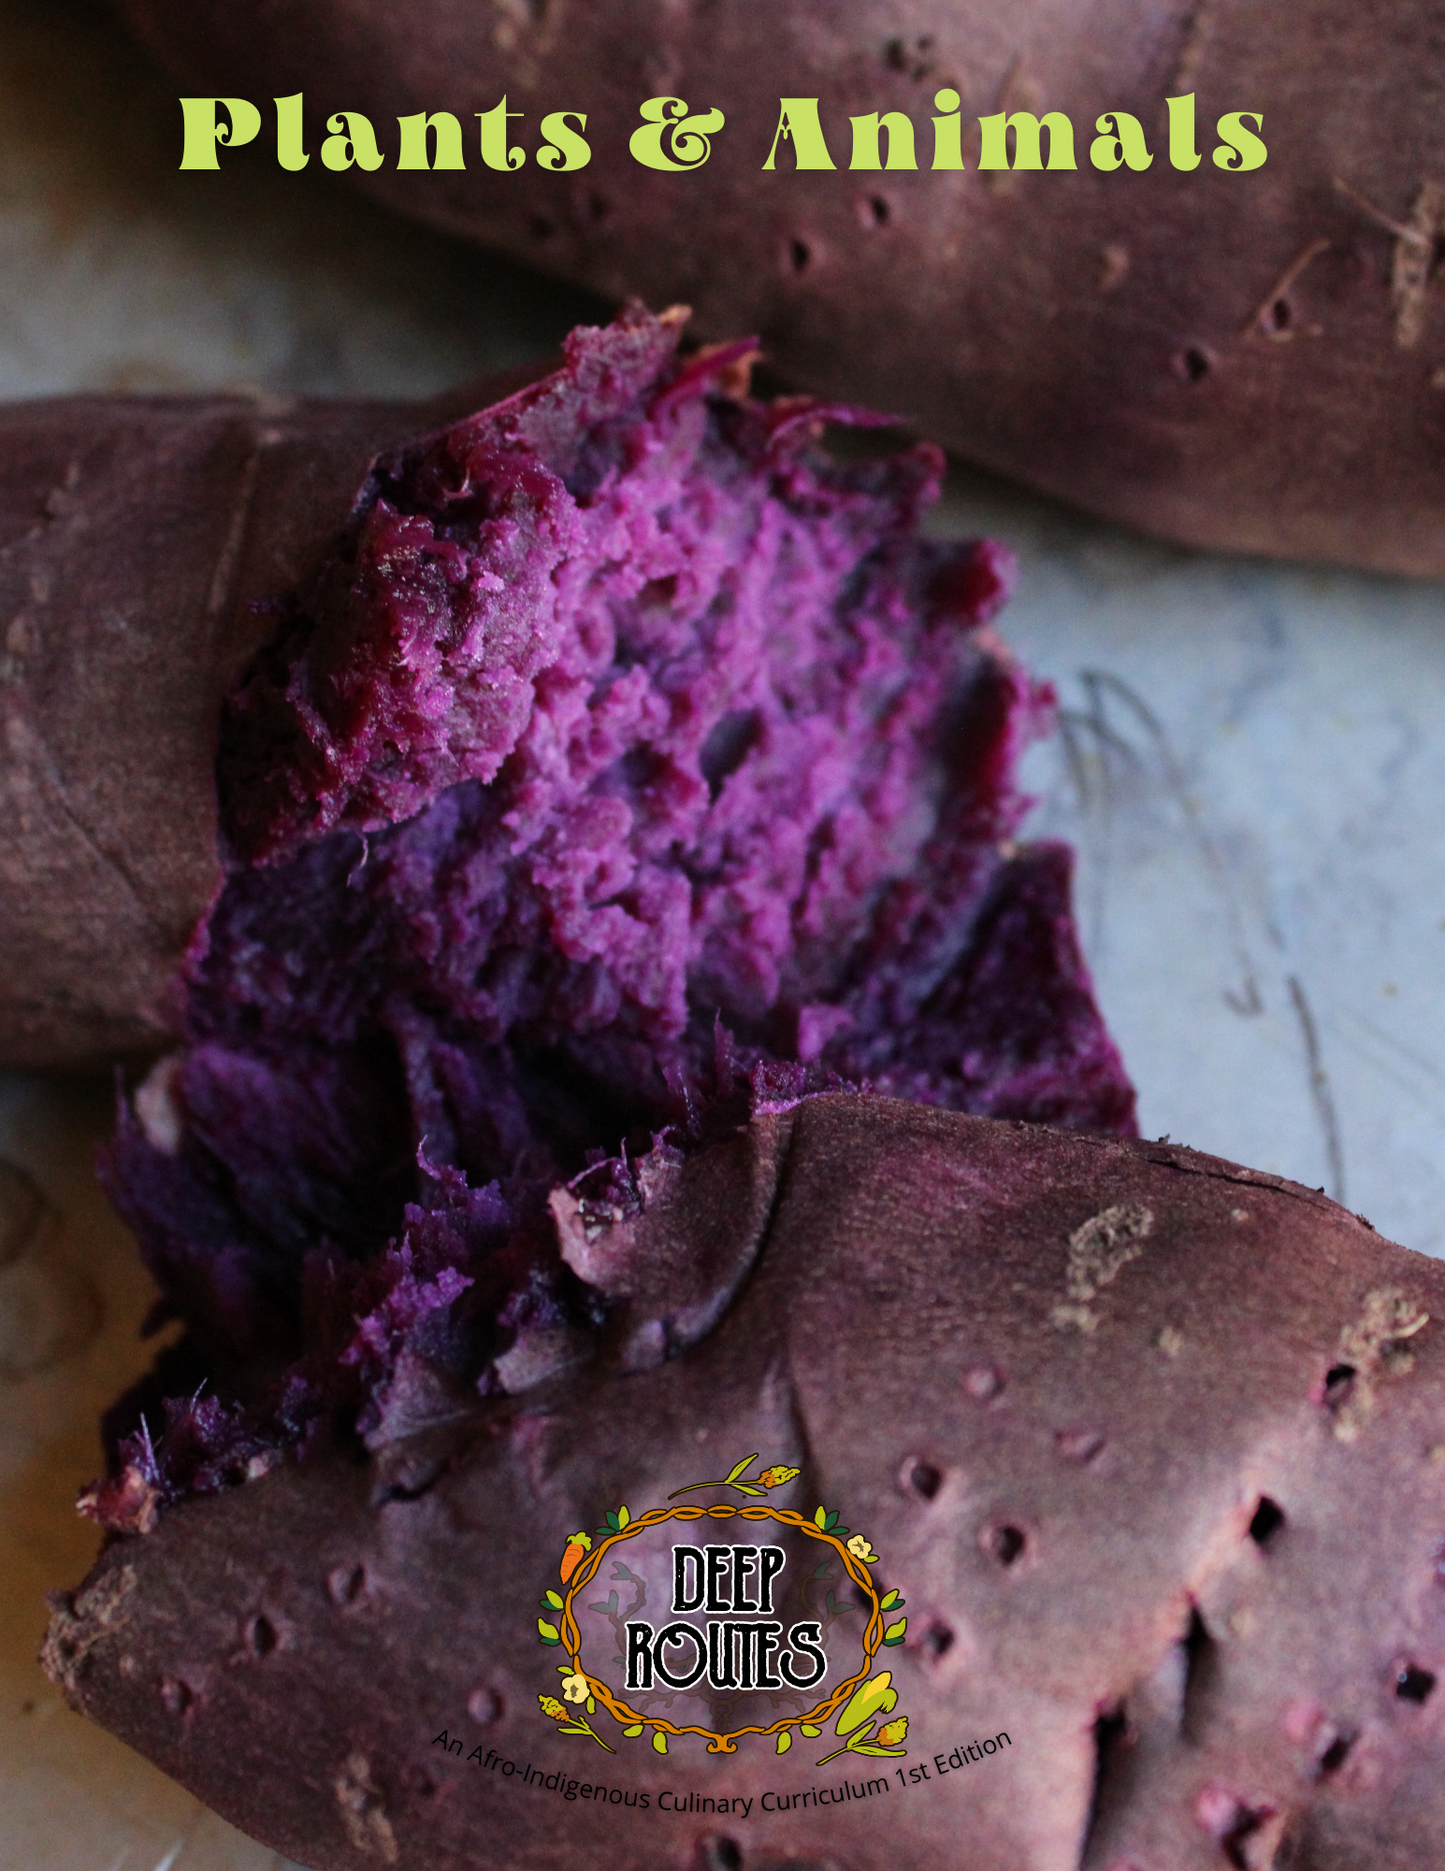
x: 718, y: 1743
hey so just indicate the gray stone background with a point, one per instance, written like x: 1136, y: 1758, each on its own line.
x: 1250, y: 761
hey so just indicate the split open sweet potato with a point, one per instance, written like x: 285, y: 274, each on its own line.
x: 143, y: 543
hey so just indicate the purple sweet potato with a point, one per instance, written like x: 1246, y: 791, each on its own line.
x: 607, y: 711
x: 624, y: 762
x: 135, y: 535
x: 631, y: 764
x: 1148, y: 1443
x: 1248, y: 360
x: 627, y: 766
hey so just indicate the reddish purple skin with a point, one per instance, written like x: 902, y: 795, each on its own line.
x: 633, y: 764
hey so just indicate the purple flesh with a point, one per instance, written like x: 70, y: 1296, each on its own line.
x: 634, y: 765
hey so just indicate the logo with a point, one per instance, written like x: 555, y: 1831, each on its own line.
x: 751, y: 1619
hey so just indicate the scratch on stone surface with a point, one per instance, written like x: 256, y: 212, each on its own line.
x: 1320, y: 1089
x: 1099, y: 1249
x: 1093, y: 722
x: 1411, y: 1071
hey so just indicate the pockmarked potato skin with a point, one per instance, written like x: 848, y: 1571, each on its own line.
x: 1247, y: 360
x: 1151, y: 1444
x: 140, y: 538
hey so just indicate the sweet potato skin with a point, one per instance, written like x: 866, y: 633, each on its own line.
x: 137, y: 537
x: 1242, y: 361
x: 1186, y: 1675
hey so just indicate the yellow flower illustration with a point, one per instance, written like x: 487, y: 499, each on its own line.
x: 775, y: 1477
x: 575, y: 1688
x: 892, y: 1732
x: 551, y: 1706
x: 860, y: 1549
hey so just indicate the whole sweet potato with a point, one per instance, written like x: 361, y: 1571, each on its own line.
x: 1147, y: 1444
x: 1247, y: 360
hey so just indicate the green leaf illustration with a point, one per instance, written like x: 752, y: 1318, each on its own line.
x: 810, y: 1731
x: 785, y: 1741
x: 633, y: 1731
x: 831, y: 1522
x: 659, y: 1741
x: 624, y: 1519
x: 743, y: 1488
x: 890, y: 1599
x: 613, y: 1522
x: 859, y: 1743
x: 591, y: 1705
x: 743, y: 1466
x: 553, y: 1600
x: 548, y: 1632
x: 896, y: 1632
x: 821, y: 1517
